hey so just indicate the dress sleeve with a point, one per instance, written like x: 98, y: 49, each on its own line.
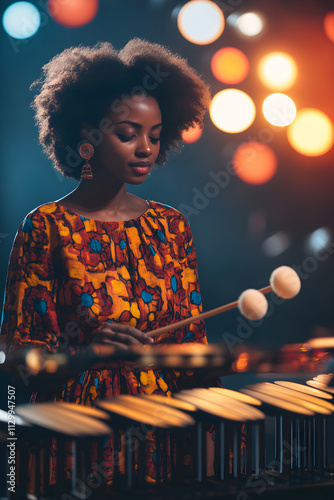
x: 190, y: 300
x: 29, y: 312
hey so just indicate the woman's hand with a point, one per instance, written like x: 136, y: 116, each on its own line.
x: 121, y: 336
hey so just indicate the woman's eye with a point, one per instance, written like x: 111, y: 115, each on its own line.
x: 155, y: 140
x: 125, y: 138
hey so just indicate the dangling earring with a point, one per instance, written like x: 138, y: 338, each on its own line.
x: 86, y: 152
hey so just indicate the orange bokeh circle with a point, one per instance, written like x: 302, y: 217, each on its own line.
x: 277, y: 71
x: 254, y: 162
x: 311, y: 133
x: 192, y: 134
x: 73, y: 13
x: 229, y: 65
x: 329, y: 25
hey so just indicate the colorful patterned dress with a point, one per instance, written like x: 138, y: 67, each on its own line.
x: 69, y: 275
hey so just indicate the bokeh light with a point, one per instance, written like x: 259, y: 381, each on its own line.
x: 192, y: 134
x: 329, y: 25
x: 249, y: 24
x: 319, y: 240
x: 241, y: 363
x: 276, y: 244
x: 21, y: 20
x: 279, y: 110
x: 254, y: 162
x: 2, y: 357
x: 73, y: 13
x: 231, y: 19
x: 232, y: 110
x: 311, y: 133
x: 277, y: 71
x: 229, y: 65
x: 201, y: 21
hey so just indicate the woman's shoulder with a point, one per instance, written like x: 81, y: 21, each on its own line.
x: 44, y: 209
x: 167, y: 211
x: 173, y: 221
x: 38, y: 228
x: 42, y: 216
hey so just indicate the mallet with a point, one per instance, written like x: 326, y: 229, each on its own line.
x: 284, y: 281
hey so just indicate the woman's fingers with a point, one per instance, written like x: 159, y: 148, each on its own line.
x: 120, y: 337
x: 124, y: 333
x: 133, y: 332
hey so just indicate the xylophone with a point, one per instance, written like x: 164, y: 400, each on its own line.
x: 302, y: 417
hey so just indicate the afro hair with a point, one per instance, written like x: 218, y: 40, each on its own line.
x: 81, y: 83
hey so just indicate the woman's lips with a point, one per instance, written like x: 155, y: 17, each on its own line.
x: 140, y: 167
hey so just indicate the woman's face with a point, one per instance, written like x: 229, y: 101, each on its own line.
x: 130, y: 144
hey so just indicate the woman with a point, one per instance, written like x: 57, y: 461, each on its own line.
x: 102, y: 265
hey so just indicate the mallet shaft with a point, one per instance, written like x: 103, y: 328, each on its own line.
x: 198, y: 317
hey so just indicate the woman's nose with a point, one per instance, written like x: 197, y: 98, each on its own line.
x: 144, y: 148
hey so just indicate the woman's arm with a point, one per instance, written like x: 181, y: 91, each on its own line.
x: 29, y: 312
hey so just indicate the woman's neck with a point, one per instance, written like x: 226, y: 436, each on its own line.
x: 91, y: 201
x: 91, y: 195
